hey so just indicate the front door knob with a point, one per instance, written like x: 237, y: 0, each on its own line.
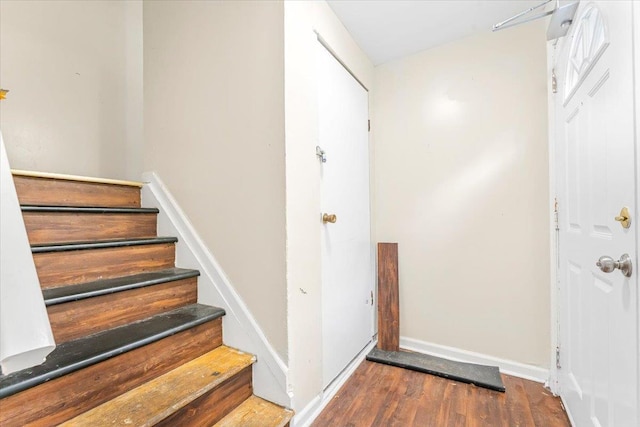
x: 608, y: 264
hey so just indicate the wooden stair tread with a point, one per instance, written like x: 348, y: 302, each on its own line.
x: 77, y: 354
x: 256, y: 412
x: 87, y: 209
x: 59, y: 295
x: 79, y: 178
x: 157, y: 399
x: 100, y: 244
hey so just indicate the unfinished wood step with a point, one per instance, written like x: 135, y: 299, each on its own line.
x: 53, y: 224
x: 168, y: 396
x: 223, y: 399
x: 257, y: 412
x: 39, y: 188
x: 75, y: 319
x: 72, y: 263
x: 82, y: 374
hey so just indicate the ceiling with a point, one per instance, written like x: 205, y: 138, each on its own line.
x: 390, y: 29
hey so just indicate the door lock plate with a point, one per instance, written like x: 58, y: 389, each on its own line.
x: 624, y: 218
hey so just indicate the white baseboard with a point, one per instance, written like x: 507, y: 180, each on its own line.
x: 510, y: 367
x: 306, y: 416
x: 270, y: 374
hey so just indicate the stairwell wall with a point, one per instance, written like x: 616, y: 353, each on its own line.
x: 214, y: 133
x: 462, y: 184
x: 74, y: 72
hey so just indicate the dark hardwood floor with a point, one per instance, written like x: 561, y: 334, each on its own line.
x: 381, y: 395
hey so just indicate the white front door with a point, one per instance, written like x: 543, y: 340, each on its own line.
x: 347, y: 262
x: 596, y: 178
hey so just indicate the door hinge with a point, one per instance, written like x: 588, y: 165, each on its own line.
x: 368, y: 125
x: 372, y: 298
x: 554, y: 81
x: 558, y: 358
x: 555, y: 214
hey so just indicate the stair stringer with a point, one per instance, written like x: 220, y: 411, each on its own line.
x: 241, y: 330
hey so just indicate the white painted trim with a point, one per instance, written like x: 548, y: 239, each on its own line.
x: 270, y: 374
x: 552, y: 49
x: 509, y: 367
x: 636, y: 87
x: 305, y: 417
x: 566, y: 411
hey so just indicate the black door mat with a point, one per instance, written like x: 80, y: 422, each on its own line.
x: 470, y: 373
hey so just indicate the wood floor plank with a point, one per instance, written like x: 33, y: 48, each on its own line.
x: 550, y: 412
x: 405, y: 411
x: 388, y: 297
x: 454, y: 405
x: 486, y: 408
x: 429, y: 400
x: 517, y: 402
x: 383, y: 396
x: 345, y: 397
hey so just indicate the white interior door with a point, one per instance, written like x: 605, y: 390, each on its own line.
x: 596, y: 168
x: 347, y: 262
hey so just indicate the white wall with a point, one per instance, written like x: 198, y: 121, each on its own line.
x: 74, y: 71
x: 303, y: 184
x: 214, y: 132
x: 460, y: 134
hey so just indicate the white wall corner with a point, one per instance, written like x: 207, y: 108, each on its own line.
x: 270, y: 374
x: 509, y: 367
x: 25, y: 331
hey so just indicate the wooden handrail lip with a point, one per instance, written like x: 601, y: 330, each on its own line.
x: 79, y: 178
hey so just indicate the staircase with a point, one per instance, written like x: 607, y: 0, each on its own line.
x: 133, y: 345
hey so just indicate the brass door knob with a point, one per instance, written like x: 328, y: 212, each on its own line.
x: 329, y: 218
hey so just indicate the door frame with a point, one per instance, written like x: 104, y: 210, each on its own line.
x: 554, y: 253
x: 552, y: 50
x: 372, y: 217
x: 635, y: 23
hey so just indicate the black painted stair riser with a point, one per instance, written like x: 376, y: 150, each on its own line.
x: 77, y: 246
x: 88, y: 210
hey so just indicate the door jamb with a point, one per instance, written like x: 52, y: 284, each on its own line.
x: 554, y: 301
x: 635, y: 28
